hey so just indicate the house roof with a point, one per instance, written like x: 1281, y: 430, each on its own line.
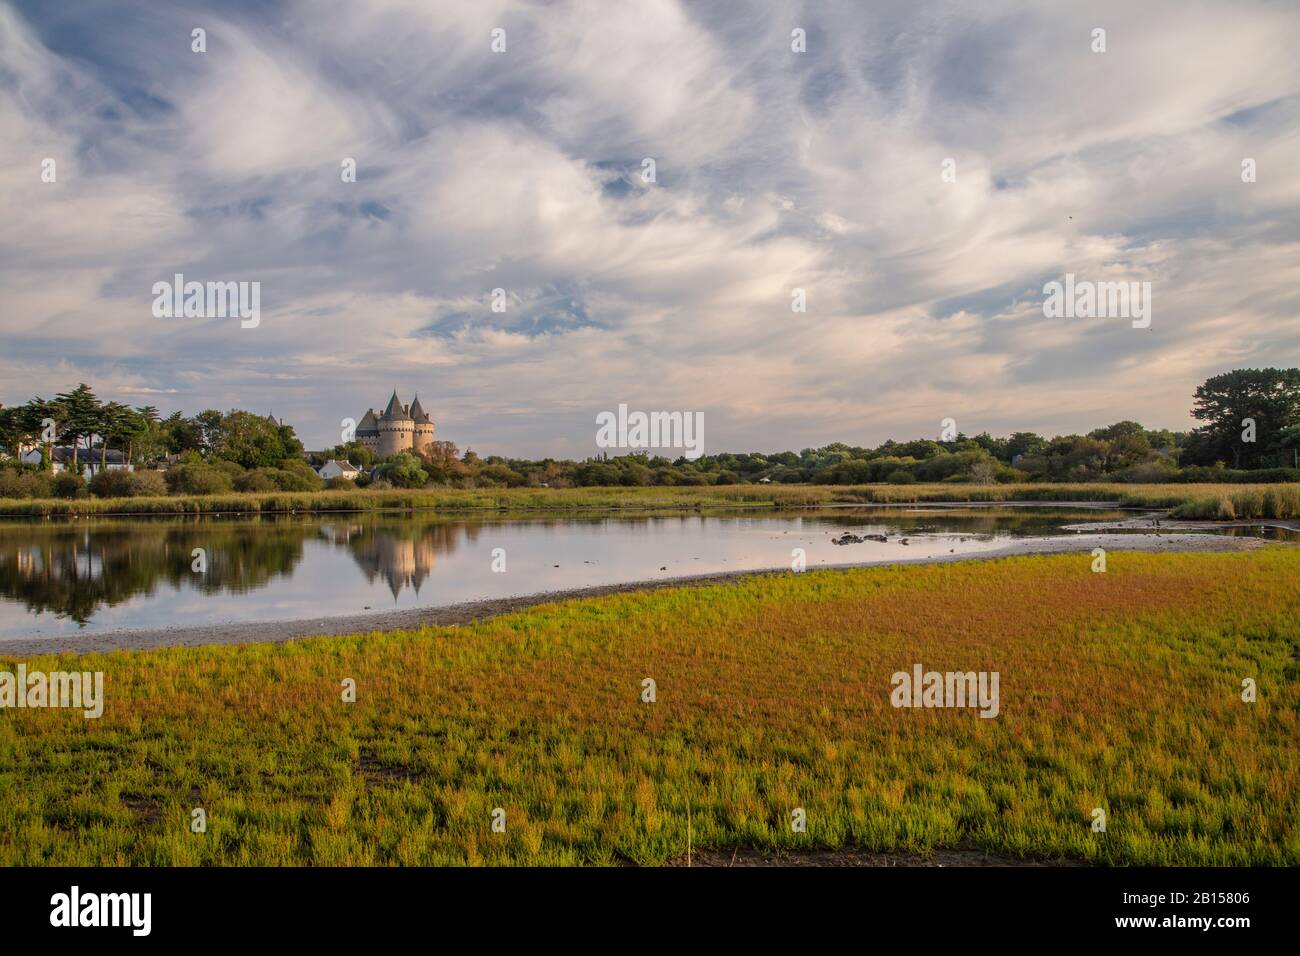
x: 345, y: 465
x: 62, y: 454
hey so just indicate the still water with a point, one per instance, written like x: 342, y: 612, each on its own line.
x: 100, y: 574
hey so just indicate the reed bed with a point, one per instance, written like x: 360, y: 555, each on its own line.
x: 1199, y: 501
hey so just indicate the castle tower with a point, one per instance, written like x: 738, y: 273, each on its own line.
x: 396, y: 429
x: 423, y: 426
x: 367, y: 432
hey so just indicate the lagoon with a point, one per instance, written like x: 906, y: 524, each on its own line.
x: 62, y: 577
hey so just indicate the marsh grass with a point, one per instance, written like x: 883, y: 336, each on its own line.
x: 1119, y: 690
x: 1252, y: 501
x: 1202, y: 500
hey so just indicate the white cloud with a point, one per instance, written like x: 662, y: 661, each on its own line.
x: 776, y: 170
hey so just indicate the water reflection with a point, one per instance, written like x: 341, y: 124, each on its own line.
x: 74, y: 569
x: 61, y: 575
x: 402, y: 553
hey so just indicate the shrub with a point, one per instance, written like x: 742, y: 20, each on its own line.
x: 26, y: 484
x: 127, y: 484
x: 901, y: 477
x: 1154, y: 472
x: 506, y: 477
x: 339, y: 483
x: 852, y: 472
x: 1262, y: 476
x: 296, y: 476
x: 882, y: 468
x: 68, y: 485
x: 404, y: 471
x: 148, y: 483
x: 258, y: 480
x: 231, y: 469
x: 959, y: 465
x: 603, y: 474
x: 196, y: 479
x: 690, y: 476
x: 111, y: 484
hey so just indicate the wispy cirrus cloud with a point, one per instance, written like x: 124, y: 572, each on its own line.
x: 775, y: 170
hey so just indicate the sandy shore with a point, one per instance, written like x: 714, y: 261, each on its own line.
x: 245, y: 632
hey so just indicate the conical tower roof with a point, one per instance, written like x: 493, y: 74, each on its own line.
x: 394, y: 412
x: 418, y: 413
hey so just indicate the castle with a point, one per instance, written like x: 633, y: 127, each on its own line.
x: 400, y: 428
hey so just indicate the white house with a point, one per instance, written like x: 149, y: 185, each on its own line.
x: 336, y: 469
x: 90, y: 457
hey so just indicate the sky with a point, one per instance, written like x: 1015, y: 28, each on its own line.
x: 774, y: 170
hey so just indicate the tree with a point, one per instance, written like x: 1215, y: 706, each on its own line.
x: 248, y: 440
x: 1165, y: 441
x: 919, y: 449
x: 77, y: 417
x: 404, y: 471
x: 1288, y: 446
x: 1127, y: 444
x: 353, y: 451
x: 1269, y: 396
x: 207, y: 428
x: 499, y: 473
x: 443, y: 454
x: 12, y: 431
x: 1124, y: 429
x: 124, y: 427
x: 112, y: 420
x: 33, y: 417
x: 997, y: 447
x: 1025, y: 443
x: 596, y: 474
x: 178, y: 434
x: 151, y: 443
x: 289, y: 442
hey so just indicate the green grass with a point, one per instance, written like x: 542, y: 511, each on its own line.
x: 1192, y: 500
x: 1118, y: 690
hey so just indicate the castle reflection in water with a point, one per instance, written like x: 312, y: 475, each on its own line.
x: 72, y: 569
x: 404, y: 556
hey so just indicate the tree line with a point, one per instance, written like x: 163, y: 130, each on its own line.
x: 212, y: 451
x: 1249, y: 431
x: 80, y: 421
